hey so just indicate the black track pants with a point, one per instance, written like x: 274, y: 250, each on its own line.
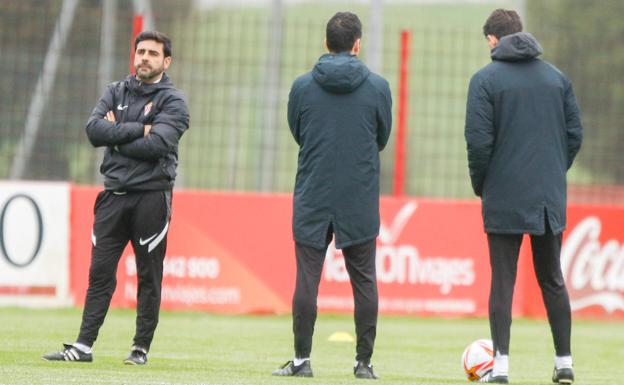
x: 143, y: 219
x: 360, y: 264
x: 504, y: 249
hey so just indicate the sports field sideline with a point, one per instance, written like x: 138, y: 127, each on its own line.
x: 201, y: 348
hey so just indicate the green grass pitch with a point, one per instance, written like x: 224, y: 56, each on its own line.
x: 200, y: 348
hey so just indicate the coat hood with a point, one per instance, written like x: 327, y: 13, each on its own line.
x: 517, y: 47
x: 137, y: 87
x: 340, y: 73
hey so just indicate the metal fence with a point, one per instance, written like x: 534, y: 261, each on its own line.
x: 236, y: 66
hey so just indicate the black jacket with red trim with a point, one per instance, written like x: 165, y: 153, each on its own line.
x: 132, y: 161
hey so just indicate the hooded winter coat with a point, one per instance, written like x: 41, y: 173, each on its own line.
x: 523, y: 130
x: 340, y: 116
x: 133, y: 162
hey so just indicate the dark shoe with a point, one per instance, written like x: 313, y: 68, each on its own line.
x: 69, y: 353
x: 138, y: 356
x: 289, y: 369
x: 364, y: 370
x: 563, y: 376
x: 490, y: 379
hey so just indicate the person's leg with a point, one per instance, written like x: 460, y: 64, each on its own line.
x: 150, y: 225
x: 360, y: 263
x: 504, y: 249
x: 546, y: 260
x: 109, y: 238
x: 309, y: 268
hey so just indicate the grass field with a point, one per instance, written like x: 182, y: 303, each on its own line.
x: 200, y: 348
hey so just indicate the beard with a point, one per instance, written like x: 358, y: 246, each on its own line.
x: 146, y: 73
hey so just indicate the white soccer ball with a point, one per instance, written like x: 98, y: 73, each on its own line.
x: 478, y: 359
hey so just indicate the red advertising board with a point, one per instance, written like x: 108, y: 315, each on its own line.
x: 431, y: 259
x: 234, y: 253
x: 225, y: 253
x: 592, y: 261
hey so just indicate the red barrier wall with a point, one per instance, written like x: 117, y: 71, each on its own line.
x: 233, y: 253
x: 592, y: 260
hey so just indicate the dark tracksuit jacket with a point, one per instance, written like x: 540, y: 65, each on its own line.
x: 133, y: 162
x: 340, y: 116
x: 523, y: 130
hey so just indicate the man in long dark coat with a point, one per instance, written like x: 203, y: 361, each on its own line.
x: 340, y: 116
x: 523, y: 130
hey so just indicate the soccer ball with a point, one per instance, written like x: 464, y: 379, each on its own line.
x: 478, y: 359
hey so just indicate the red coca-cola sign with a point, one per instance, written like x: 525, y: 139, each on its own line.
x: 592, y: 261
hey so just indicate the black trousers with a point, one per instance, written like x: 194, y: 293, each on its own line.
x: 504, y: 249
x: 360, y: 264
x: 143, y: 219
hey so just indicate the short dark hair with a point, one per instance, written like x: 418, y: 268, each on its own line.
x: 502, y: 22
x: 155, y: 35
x: 343, y: 29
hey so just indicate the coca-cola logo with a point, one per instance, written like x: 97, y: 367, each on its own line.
x: 401, y: 263
x: 594, y: 272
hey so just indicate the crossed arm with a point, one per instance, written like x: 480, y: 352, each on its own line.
x: 110, y: 116
x: 135, y: 139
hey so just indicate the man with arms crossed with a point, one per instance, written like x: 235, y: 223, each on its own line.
x: 140, y: 121
x: 523, y: 130
x: 340, y: 116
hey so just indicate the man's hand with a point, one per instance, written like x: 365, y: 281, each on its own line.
x: 110, y: 116
x: 147, y: 127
